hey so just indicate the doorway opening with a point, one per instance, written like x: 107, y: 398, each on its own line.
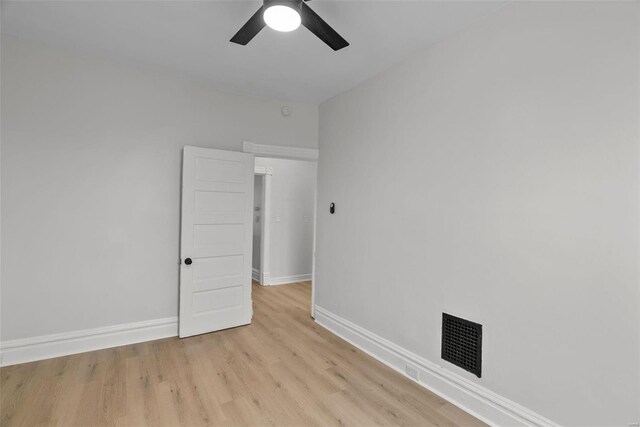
x: 283, y: 221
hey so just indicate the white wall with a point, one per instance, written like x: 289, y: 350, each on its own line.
x: 91, y: 160
x: 496, y: 177
x: 293, y: 191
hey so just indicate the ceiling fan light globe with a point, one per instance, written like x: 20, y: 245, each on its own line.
x: 282, y: 18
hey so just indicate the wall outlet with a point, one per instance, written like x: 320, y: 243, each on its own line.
x: 412, y: 371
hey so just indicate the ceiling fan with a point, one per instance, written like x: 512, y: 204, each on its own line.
x: 287, y: 15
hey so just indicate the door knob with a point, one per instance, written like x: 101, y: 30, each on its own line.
x: 188, y: 261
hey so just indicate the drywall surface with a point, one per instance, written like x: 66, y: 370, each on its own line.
x: 293, y: 192
x: 495, y: 177
x: 91, y: 161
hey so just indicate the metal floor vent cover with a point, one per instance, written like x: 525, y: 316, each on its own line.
x: 462, y: 343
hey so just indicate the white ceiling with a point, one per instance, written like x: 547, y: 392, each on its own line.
x: 192, y: 37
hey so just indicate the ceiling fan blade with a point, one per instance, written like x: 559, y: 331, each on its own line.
x: 321, y: 29
x: 250, y: 29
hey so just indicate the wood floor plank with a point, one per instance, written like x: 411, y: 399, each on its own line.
x: 282, y: 370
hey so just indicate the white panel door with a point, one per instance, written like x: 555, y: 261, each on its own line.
x: 215, y: 241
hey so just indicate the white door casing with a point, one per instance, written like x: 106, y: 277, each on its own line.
x: 294, y: 153
x: 215, y: 240
x: 265, y: 226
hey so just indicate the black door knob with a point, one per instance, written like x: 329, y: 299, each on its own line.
x: 188, y: 261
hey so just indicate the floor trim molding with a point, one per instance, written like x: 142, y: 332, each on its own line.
x: 285, y: 280
x: 255, y: 275
x: 56, y: 345
x: 469, y: 396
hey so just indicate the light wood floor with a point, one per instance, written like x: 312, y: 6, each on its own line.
x: 281, y: 370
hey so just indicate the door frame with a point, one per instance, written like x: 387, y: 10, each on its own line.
x: 292, y: 153
x: 265, y: 218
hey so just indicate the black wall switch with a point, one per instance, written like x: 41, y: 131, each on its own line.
x: 332, y: 208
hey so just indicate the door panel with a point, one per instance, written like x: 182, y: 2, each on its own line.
x: 207, y: 202
x: 217, y: 221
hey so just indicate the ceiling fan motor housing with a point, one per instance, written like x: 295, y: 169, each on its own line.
x: 293, y: 4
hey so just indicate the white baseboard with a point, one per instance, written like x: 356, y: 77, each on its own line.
x: 285, y: 280
x: 467, y: 395
x: 56, y: 345
x: 255, y: 275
